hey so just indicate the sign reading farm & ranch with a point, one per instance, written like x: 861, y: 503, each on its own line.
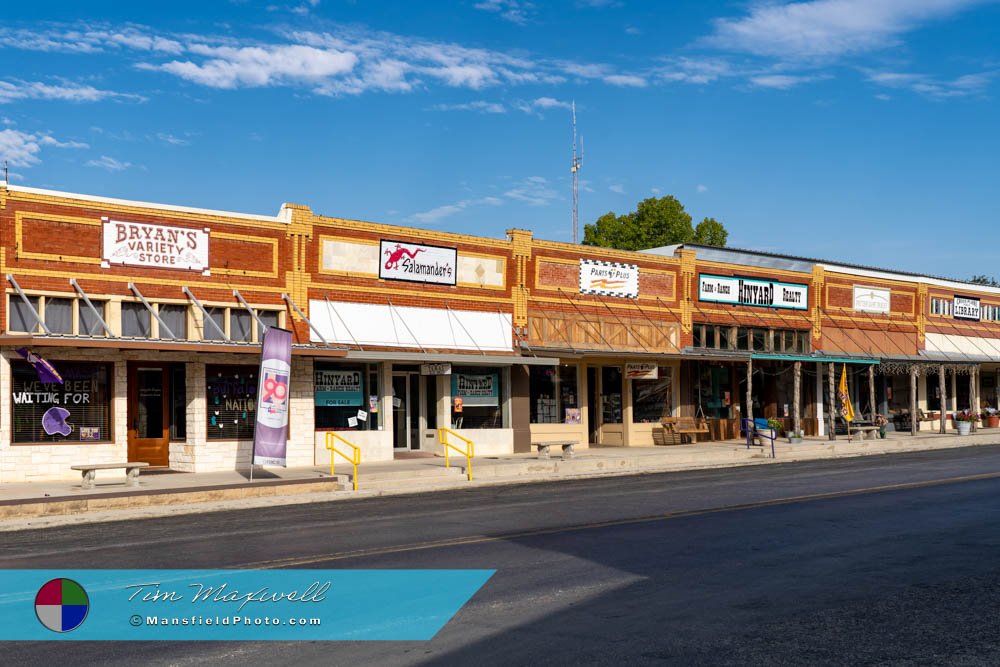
x: 752, y: 292
x: 157, y: 246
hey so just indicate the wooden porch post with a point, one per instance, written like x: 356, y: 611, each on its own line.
x: 871, y: 390
x: 913, y: 400
x: 833, y: 402
x: 750, y: 390
x: 797, y: 398
x: 944, y: 403
x: 973, y: 399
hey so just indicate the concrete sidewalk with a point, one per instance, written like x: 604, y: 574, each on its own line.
x: 32, y: 505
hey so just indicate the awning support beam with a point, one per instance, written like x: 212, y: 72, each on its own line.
x: 305, y: 319
x: 452, y: 313
x: 152, y: 311
x: 350, y: 333
x: 24, y: 298
x: 204, y: 313
x: 407, y: 326
x: 253, y: 313
x: 93, y: 308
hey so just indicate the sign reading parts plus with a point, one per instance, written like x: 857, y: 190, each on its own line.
x: 609, y: 279
x: 752, y: 292
x: 417, y: 263
x: 156, y: 246
x: 967, y: 309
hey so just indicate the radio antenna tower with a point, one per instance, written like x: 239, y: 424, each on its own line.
x: 575, y: 169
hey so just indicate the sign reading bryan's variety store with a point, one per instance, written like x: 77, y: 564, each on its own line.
x: 417, y: 263
x: 753, y: 292
x: 157, y: 246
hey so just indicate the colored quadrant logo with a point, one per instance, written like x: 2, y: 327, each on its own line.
x: 61, y: 605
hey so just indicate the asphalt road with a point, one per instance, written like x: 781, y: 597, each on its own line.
x: 876, y: 560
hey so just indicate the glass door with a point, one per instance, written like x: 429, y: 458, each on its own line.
x: 405, y: 411
x: 148, y: 414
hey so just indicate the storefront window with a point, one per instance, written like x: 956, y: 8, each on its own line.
x: 59, y: 315
x: 175, y: 317
x: 240, y: 325
x: 554, y: 395
x: 89, y: 324
x: 477, y: 397
x: 135, y: 320
x: 653, y: 400
x: 346, y: 396
x: 269, y: 318
x: 217, y: 315
x: 232, y: 402
x: 20, y: 316
x: 79, y: 410
x: 611, y: 395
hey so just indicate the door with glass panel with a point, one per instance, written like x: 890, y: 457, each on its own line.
x: 148, y: 413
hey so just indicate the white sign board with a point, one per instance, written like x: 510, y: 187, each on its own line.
x: 435, y: 369
x: 871, y: 299
x: 967, y: 309
x: 156, y: 246
x: 753, y: 292
x: 642, y: 370
x: 417, y: 263
x: 609, y: 279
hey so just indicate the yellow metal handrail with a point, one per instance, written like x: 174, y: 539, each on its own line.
x: 443, y: 434
x: 354, y: 459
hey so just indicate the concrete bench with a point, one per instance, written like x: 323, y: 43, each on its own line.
x: 132, y: 469
x: 567, y: 448
x: 867, y: 432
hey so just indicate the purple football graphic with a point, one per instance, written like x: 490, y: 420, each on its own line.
x: 54, y: 421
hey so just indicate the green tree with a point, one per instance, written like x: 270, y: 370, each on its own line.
x: 984, y: 279
x: 657, y: 221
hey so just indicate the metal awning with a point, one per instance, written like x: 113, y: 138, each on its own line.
x: 468, y: 359
x: 839, y: 359
x: 176, y: 345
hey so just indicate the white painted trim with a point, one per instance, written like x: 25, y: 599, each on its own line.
x: 886, y: 275
x: 284, y: 215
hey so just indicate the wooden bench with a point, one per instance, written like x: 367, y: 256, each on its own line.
x: 684, y: 427
x: 543, y: 448
x: 132, y: 469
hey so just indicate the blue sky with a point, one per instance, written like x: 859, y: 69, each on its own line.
x: 856, y: 130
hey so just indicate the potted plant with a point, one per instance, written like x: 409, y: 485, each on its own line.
x: 775, y: 425
x: 794, y: 437
x: 991, y: 419
x: 964, y: 420
x: 881, y: 421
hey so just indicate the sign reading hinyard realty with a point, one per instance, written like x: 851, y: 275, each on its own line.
x: 417, y: 263
x: 753, y: 292
x: 156, y: 246
x: 609, y: 279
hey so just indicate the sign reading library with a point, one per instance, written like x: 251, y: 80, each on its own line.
x: 417, y: 263
x: 967, y: 309
x: 157, y: 246
x: 609, y: 279
x: 753, y: 292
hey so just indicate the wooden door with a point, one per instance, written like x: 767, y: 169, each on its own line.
x: 148, y: 413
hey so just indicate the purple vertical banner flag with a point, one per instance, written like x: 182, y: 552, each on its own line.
x: 270, y: 435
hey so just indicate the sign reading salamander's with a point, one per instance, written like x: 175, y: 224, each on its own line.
x: 158, y: 246
x: 753, y: 292
x: 417, y: 263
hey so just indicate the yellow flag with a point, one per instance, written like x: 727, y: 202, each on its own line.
x: 846, y: 409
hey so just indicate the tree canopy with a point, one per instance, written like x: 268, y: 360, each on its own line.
x: 657, y: 221
x: 984, y: 279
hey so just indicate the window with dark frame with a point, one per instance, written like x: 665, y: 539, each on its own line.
x: 77, y: 411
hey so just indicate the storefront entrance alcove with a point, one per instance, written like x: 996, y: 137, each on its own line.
x: 155, y: 394
x: 414, y: 409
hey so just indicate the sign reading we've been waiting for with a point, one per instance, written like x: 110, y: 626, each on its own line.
x: 609, y: 279
x: 753, y: 292
x: 967, y: 309
x: 157, y: 246
x: 417, y: 263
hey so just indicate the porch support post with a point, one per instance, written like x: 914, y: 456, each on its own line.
x: 797, y: 398
x: 913, y: 400
x: 832, y: 402
x: 871, y: 390
x: 944, y: 402
x: 973, y: 402
x: 750, y: 389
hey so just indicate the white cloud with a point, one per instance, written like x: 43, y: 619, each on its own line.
x: 23, y: 148
x: 883, y: 97
x: 439, y: 213
x: 928, y: 86
x: 827, y: 28
x: 617, y: 188
x: 701, y: 188
x: 171, y: 139
x: 539, y: 104
x: 479, y: 105
x: 12, y: 91
x: 695, y: 70
x: 515, y: 11
x: 534, y: 191
x: 625, y: 80
x: 108, y: 163
x: 780, y: 81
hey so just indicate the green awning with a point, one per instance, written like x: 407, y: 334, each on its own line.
x: 829, y: 360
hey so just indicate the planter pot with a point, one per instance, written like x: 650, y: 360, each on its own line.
x: 964, y: 427
x: 794, y: 439
x: 881, y: 433
x: 992, y: 422
x: 934, y: 415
